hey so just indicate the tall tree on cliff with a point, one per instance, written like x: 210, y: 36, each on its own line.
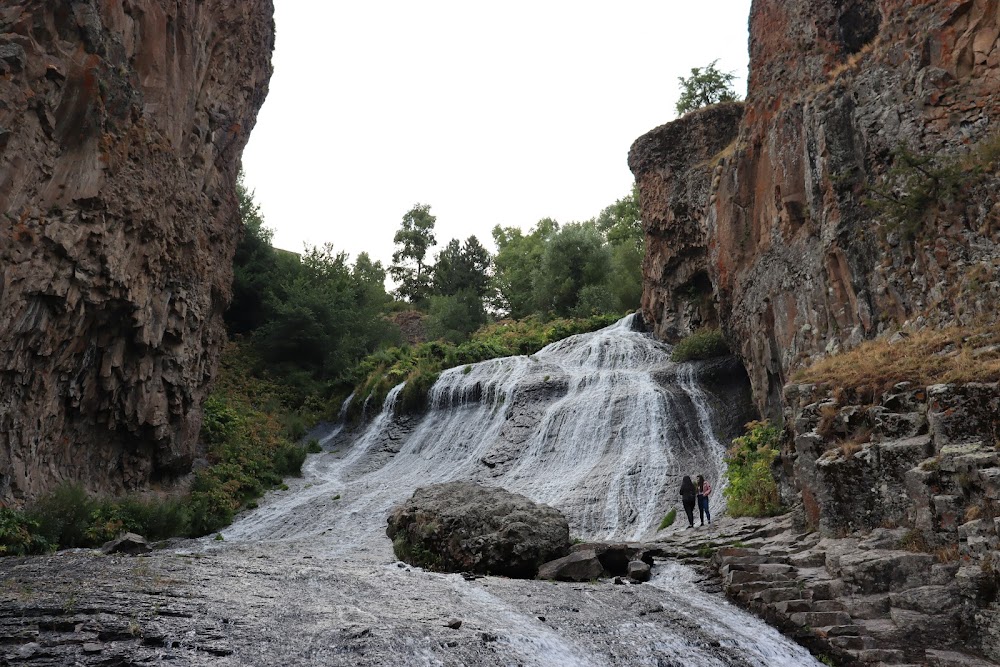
x: 705, y: 86
x: 414, y: 238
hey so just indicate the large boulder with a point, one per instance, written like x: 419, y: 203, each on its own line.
x: 465, y: 527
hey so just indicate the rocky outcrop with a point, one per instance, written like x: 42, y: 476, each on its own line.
x: 465, y: 527
x: 121, y: 130
x: 815, y: 230
x: 591, y: 560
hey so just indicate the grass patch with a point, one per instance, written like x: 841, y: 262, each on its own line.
x: 924, y: 358
x: 668, y: 520
x: 702, y: 344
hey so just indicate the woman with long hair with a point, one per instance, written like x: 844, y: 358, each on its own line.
x: 688, y: 495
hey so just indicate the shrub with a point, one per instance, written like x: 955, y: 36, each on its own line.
x: 669, y: 519
x: 63, y: 516
x: 702, y: 344
x: 751, y: 489
x: 19, y: 535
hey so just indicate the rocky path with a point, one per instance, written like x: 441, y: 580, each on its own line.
x: 859, y: 600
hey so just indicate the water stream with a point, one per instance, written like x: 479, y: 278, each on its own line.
x: 581, y: 425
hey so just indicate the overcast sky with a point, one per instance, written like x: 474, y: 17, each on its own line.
x: 492, y: 113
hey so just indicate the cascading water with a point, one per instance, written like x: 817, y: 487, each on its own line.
x: 581, y: 425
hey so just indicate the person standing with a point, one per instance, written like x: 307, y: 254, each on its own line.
x: 704, y: 490
x: 688, y: 495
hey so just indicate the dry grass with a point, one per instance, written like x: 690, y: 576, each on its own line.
x: 827, y: 418
x: 948, y: 554
x: 924, y: 358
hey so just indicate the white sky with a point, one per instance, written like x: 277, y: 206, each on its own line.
x: 492, y: 113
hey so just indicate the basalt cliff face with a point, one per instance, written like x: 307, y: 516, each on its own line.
x: 796, y: 220
x: 121, y: 130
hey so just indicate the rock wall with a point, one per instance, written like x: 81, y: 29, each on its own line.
x: 121, y: 130
x: 793, y: 234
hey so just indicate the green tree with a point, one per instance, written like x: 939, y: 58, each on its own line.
x: 462, y: 267
x: 574, y: 258
x: 622, y: 226
x: 705, y: 86
x: 255, y: 266
x: 516, y: 266
x: 414, y: 238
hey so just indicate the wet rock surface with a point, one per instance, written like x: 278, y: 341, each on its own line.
x: 464, y: 527
x: 121, y: 130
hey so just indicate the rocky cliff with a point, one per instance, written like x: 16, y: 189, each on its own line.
x: 855, y: 191
x: 121, y: 130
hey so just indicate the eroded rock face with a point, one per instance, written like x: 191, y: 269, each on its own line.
x: 121, y: 130
x: 465, y: 527
x: 780, y: 236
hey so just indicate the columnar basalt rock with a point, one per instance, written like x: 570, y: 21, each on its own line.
x: 121, y: 130
x: 798, y: 260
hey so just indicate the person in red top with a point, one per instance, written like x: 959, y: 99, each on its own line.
x: 704, y: 489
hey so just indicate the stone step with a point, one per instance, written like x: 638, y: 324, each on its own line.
x: 771, y: 595
x: 793, y: 606
x: 816, y: 619
x: 828, y: 605
x: 808, y: 559
x: 936, y: 658
x: 881, y: 656
x: 825, y: 590
x: 839, y: 631
x: 856, y: 643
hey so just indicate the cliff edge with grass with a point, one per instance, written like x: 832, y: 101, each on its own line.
x: 121, y: 131
x: 853, y: 194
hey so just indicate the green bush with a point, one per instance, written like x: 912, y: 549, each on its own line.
x: 20, y: 535
x: 63, y: 516
x: 751, y: 489
x: 668, y: 520
x: 702, y: 344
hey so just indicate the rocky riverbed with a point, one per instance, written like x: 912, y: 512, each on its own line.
x: 328, y: 600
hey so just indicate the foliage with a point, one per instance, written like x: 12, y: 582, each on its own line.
x: 248, y: 449
x: 706, y: 85
x: 923, y: 358
x: 668, y: 520
x: 702, y: 344
x: 916, y: 187
x: 751, y: 489
x: 420, y: 365
x: 19, y: 534
x: 573, y: 270
x: 574, y: 258
x: 453, y: 317
x: 516, y: 264
x: 414, y: 238
x: 309, y: 317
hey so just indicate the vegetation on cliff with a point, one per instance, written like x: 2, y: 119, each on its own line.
x: 930, y: 356
x: 751, y: 489
x: 706, y: 85
x: 702, y: 344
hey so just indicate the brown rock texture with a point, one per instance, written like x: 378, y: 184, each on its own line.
x: 121, y: 130
x: 781, y: 242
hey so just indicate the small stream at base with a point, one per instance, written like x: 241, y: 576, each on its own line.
x: 581, y: 425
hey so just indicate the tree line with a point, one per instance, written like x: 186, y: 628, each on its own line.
x: 311, y: 318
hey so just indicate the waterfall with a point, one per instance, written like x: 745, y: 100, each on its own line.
x: 583, y: 425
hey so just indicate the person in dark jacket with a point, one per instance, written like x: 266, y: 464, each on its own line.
x: 704, y: 490
x: 688, y: 495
